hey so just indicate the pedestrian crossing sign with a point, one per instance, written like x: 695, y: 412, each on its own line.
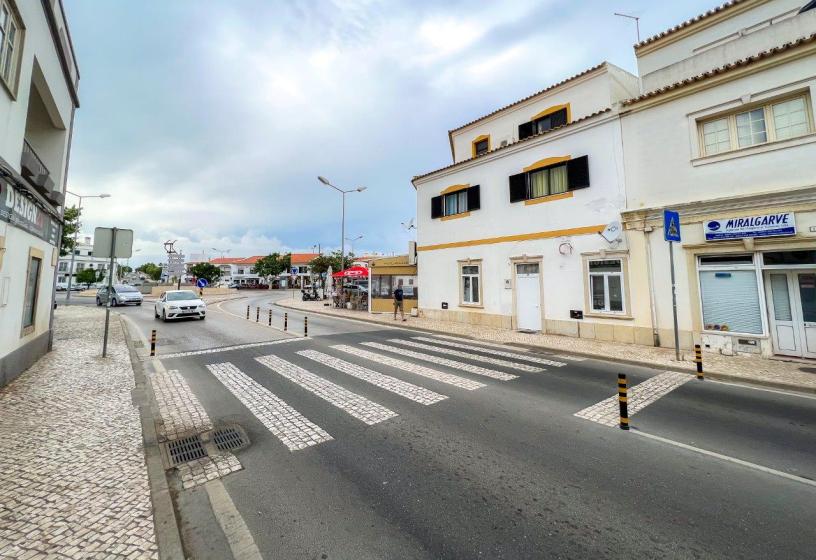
x: 671, y: 225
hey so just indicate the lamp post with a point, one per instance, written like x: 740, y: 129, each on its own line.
x: 343, y: 192
x: 351, y: 242
x: 76, y: 231
x: 221, y: 251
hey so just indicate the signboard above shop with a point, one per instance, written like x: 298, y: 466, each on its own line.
x: 762, y: 225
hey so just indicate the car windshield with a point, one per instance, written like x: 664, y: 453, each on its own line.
x: 126, y: 289
x: 181, y: 296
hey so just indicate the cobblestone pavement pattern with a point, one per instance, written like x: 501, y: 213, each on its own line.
x: 181, y: 412
x: 73, y: 482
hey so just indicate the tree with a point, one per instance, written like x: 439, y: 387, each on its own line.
x: 272, y: 265
x: 72, y: 225
x: 87, y: 276
x: 208, y: 271
x: 322, y: 263
x: 152, y: 270
x: 124, y: 269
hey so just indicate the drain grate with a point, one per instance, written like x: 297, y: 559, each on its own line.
x: 185, y: 449
x: 808, y: 369
x: 228, y: 438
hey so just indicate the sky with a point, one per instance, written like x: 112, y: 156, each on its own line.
x: 209, y: 121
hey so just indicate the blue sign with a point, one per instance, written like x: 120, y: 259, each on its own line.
x: 671, y: 225
x: 202, y: 283
x: 763, y: 225
x: 294, y: 271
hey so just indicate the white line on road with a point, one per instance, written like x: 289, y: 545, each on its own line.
x: 607, y: 411
x: 228, y: 348
x: 470, y: 368
x: 293, y: 429
x: 352, y: 403
x: 401, y: 388
x: 481, y: 342
x: 515, y: 355
x: 727, y: 458
x: 449, y: 378
x: 239, y: 538
x: 468, y: 355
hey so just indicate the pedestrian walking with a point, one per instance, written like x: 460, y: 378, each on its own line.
x: 398, y: 303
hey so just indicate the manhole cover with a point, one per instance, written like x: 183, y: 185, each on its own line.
x: 227, y: 439
x: 808, y: 369
x: 185, y: 449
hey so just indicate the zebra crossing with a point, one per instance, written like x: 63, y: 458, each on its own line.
x: 462, y: 354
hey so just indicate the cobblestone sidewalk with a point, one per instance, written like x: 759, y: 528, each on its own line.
x: 73, y: 482
x: 749, y: 369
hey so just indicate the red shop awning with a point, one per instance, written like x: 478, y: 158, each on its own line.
x: 353, y: 272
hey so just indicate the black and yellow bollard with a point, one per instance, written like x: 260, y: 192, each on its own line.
x: 257, y: 314
x: 285, y: 321
x: 247, y: 313
x: 153, y: 343
x: 270, y: 317
x: 623, y: 399
x: 698, y: 358
x: 305, y: 326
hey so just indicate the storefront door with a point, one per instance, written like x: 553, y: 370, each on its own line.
x: 792, y: 309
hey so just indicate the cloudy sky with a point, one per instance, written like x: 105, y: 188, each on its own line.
x: 208, y: 121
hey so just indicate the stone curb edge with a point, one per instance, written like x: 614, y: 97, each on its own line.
x: 714, y: 375
x: 168, y: 536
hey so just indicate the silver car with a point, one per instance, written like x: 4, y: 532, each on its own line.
x: 122, y: 294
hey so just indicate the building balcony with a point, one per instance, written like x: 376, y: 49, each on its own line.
x: 38, y: 175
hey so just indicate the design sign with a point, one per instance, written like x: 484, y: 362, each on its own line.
x: 20, y: 211
x: 764, y: 225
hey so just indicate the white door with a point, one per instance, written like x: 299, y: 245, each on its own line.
x: 806, y: 306
x: 782, y: 310
x: 528, y: 297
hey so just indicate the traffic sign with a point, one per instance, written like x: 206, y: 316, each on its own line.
x: 294, y: 271
x: 202, y: 283
x: 671, y: 225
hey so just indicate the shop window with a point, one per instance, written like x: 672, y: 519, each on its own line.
x: 32, y: 284
x: 470, y: 284
x: 730, y: 301
x: 606, y: 286
x: 789, y: 258
x: 725, y: 260
x: 381, y: 286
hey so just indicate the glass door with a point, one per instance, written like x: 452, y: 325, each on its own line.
x: 806, y: 296
x: 782, y: 310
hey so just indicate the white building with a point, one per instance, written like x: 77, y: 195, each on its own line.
x: 238, y: 270
x: 508, y: 234
x: 83, y: 259
x: 725, y: 134
x: 38, y: 97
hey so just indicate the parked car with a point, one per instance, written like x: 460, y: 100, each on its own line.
x: 121, y: 295
x: 177, y: 304
x: 62, y: 286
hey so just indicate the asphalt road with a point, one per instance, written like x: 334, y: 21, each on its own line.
x: 503, y: 471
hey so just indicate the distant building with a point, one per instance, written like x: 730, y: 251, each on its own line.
x: 238, y: 270
x: 83, y: 259
x: 300, y: 265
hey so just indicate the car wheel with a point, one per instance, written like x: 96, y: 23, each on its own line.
x: 155, y: 314
x: 98, y: 302
x: 114, y: 303
x: 164, y: 316
x: 139, y: 303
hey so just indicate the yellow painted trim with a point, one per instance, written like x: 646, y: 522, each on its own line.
x: 455, y: 216
x: 553, y: 109
x: 545, y: 162
x: 521, y: 237
x: 455, y: 188
x: 477, y: 140
x: 550, y: 198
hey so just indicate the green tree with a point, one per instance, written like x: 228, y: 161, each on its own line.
x: 123, y: 270
x: 322, y: 263
x: 272, y: 265
x: 208, y: 271
x: 152, y: 270
x: 71, y: 226
x: 87, y: 276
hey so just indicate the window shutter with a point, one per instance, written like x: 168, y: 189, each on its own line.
x: 525, y: 130
x: 559, y: 118
x: 473, y: 198
x: 436, y: 207
x: 578, y: 173
x: 518, y: 187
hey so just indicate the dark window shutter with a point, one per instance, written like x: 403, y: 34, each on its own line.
x: 525, y: 130
x: 559, y: 118
x: 473, y: 198
x: 578, y: 173
x: 518, y: 187
x: 436, y: 207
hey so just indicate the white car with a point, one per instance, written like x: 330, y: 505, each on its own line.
x: 176, y: 304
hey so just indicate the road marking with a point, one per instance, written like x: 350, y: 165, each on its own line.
x: 243, y: 317
x: 480, y: 342
x: 401, y: 388
x: 516, y: 355
x: 745, y: 385
x: 360, y: 407
x: 449, y: 378
x: 468, y: 355
x: 569, y: 357
x: 728, y: 458
x: 228, y: 348
x: 607, y: 411
x: 293, y: 429
x: 470, y: 368
x: 232, y: 524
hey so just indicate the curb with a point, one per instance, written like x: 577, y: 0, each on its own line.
x: 168, y: 536
x: 713, y: 375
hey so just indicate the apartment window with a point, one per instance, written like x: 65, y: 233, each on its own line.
x: 80, y: 266
x: 470, y: 284
x: 549, y: 181
x: 32, y: 283
x: 481, y: 147
x: 606, y: 285
x: 457, y: 202
x: 771, y: 122
x: 9, y: 47
x: 555, y: 179
x: 63, y: 266
x: 543, y: 124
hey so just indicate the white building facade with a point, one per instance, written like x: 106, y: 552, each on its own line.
x: 38, y: 97
x: 83, y: 259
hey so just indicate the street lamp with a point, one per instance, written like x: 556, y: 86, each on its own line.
x: 73, y: 251
x: 343, y: 218
x: 222, y: 251
x: 351, y: 242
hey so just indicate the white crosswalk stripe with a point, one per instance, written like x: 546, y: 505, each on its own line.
x: 607, y: 412
x: 293, y: 429
x: 467, y: 355
x: 480, y: 342
x: 526, y: 357
x: 470, y: 368
x: 401, y: 388
x: 351, y: 403
x: 450, y: 379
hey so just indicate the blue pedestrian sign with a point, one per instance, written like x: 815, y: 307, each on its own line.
x: 294, y: 271
x: 671, y: 225
x: 202, y: 283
